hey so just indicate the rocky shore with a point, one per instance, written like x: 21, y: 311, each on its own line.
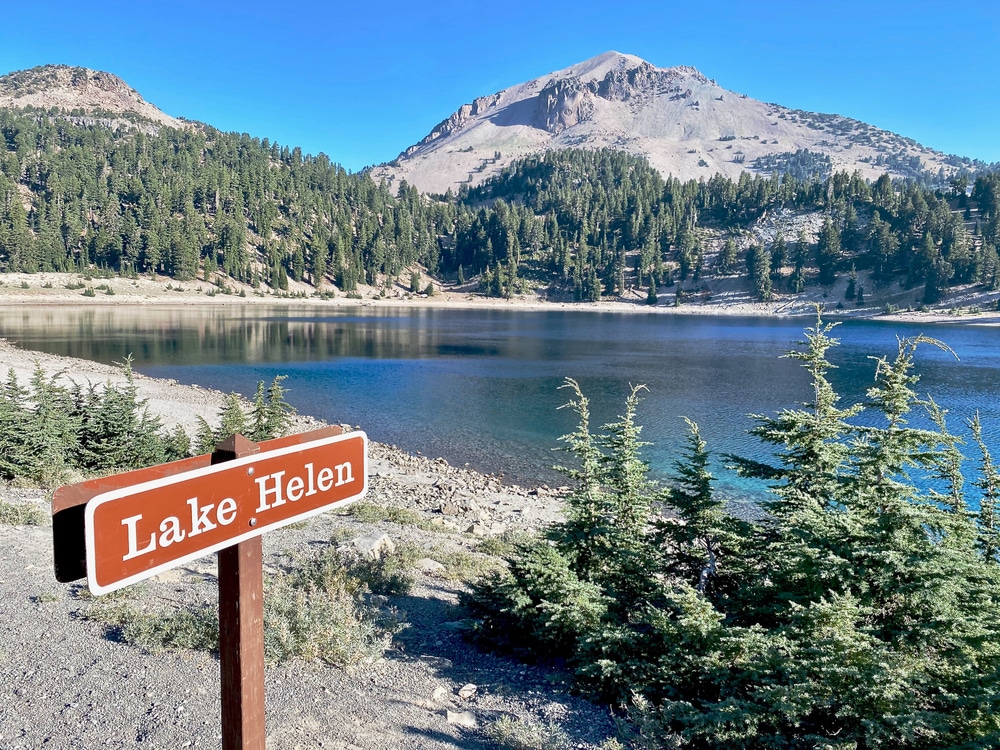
x: 66, y: 682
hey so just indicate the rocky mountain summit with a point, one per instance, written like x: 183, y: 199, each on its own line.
x: 79, y: 91
x: 685, y: 123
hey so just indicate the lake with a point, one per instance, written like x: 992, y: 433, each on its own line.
x: 482, y: 387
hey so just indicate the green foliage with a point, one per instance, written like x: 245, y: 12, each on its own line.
x: 861, y: 612
x: 539, y: 606
x: 116, y: 431
x: 269, y: 416
x: 178, y: 201
x: 371, y: 513
x: 50, y: 432
x: 155, y: 630
x: 317, y: 611
x: 460, y: 565
x: 828, y: 252
x: 989, y: 503
x: 759, y: 267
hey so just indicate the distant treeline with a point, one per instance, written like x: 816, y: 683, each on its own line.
x: 75, y: 195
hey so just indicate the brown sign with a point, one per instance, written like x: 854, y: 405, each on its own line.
x: 137, y: 531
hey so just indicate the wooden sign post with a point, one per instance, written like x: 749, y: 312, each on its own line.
x: 138, y: 524
x: 241, y: 628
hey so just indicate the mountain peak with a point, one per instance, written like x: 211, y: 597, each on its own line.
x: 611, y: 62
x: 70, y: 87
x: 599, y: 66
x: 684, y: 123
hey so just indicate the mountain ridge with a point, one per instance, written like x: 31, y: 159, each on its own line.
x: 685, y: 123
x: 76, y: 88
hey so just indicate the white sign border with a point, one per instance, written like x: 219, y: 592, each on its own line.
x: 97, y: 590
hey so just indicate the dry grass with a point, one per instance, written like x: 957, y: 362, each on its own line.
x: 22, y: 514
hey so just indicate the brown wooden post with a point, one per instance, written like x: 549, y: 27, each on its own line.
x: 241, y: 628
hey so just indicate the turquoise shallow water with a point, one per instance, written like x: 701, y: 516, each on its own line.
x: 482, y: 386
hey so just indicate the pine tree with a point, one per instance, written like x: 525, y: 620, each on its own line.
x: 697, y: 545
x: 989, y: 503
x: 584, y: 535
x: 18, y: 457
x: 117, y: 432
x: 828, y: 252
x: 270, y: 414
x: 759, y: 264
x: 232, y: 421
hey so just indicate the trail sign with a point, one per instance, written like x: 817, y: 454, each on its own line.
x: 121, y: 529
x: 137, y: 531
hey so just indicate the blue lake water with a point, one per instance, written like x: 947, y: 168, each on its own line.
x: 483, y: 386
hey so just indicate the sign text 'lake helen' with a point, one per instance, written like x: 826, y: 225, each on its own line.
x: 138, y: 531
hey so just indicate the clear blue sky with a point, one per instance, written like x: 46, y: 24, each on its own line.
x: 362, y: 80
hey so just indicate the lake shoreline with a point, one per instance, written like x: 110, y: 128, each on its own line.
x: 415, y: 332
x: 965, y: 305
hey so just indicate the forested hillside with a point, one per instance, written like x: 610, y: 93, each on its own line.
x: 76, y: 194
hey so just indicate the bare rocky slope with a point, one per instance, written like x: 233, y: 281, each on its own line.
x: 91, y: 93
x: 686, y: 124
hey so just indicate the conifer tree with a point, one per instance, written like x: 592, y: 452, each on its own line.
x: 270, y: 414
x: 585, y: 535
x: 989, y: 503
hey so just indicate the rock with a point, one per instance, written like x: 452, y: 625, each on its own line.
x: 436, y: 662
x: 441, y: 695
x: 427, y: 565
x: 373, y: 546
x: 477, y: 529
x: 462, y: 718
x: 467, y: 691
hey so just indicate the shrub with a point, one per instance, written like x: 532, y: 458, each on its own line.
x: 155, y: 630
x: 117, y: 432
x: 49, y: 432
x: 315, y: 612
x: 516, y: 734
